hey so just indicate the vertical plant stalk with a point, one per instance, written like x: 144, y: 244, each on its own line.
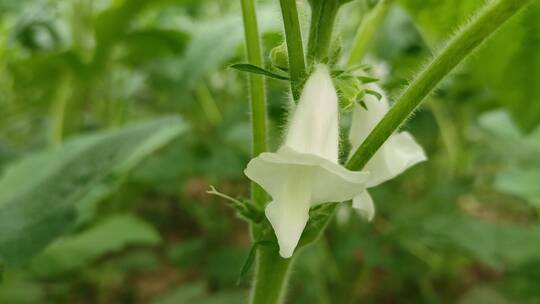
x: 257, y: 91
x: 323, y: 16
x: 295, y: 49
x: 272, y: 276
x: 367, y: 29
x: 486, y: 22
x: 271, y: 271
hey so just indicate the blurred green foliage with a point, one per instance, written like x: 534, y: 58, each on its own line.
x: 99, y: 207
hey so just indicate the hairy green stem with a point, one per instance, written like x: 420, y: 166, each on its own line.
x: 295, y: 50
x: 367, y: 29
x: 257, y: 91
x: 271, y: 277
x: 323, y: 16
x: 271, y: 271
x: 485, y: 23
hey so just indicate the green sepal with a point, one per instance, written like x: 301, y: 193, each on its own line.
x: 318, y: 219
x: 360, y: 66
x: 363, y: 104
x: 374, y: 93
x: 349, y: 89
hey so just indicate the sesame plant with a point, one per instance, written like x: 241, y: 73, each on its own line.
x: 297, y: 188
x: 264, y: 151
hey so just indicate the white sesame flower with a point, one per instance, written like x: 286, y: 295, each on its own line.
x: 397, y: 154
x: 305, y: 171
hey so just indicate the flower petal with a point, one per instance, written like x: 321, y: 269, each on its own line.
x: 297, y: 181
x: 397, y: 154
x: 364, y: 121
x: 314, y: 127
x: 331, y: 182
x: 289, y: 211
x: 363, y: 203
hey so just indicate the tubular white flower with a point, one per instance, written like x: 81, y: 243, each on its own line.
x: 305, y: 171
x: 396, y: 155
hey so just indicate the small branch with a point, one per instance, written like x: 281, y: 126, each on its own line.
x: 295, y: 49
x: 323, y: 16
x: 482, y: 26
x: 272, y: 276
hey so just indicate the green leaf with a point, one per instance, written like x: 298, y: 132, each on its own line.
x: 250, y: 68
x: 39, y: 194
x: 151, y: 44
x: 501, y: 132
x: 498, y: 245
x: 213, y: 44
x: 521, y: 182
x: 110, y: 235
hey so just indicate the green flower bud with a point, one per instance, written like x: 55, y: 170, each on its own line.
x: 279, y: 56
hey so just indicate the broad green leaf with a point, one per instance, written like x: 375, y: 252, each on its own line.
x: 520, y: 171
x: 212, y: 44
x: 500, y: 132
x: 39, y: 194
x: 143, y: 46
x: 109, y: 235
x: 509, y: 63
x: 521, y: 182
x: 499, y: 245
x: 113, y: 25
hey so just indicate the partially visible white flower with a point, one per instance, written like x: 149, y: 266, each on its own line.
x: 305, y: 171
x: 396, y: 155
